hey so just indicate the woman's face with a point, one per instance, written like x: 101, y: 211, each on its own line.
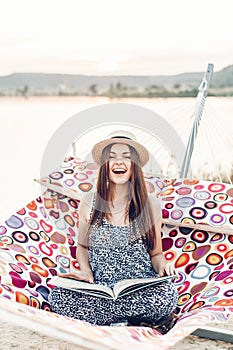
x: 120, y: 166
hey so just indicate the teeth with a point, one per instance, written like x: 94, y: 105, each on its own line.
x: 119, y: 171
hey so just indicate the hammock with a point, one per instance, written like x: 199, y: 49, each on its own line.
x: 40, y: 240
x: 197, y: 235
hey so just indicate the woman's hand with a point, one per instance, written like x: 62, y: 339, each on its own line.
x: 166, y: 269
x: 86, y: 276
x: 161, y: 266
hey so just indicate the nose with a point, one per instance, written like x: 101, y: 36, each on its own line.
x: 119, y: 160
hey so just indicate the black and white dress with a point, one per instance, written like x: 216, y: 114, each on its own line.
x: 117, y: 253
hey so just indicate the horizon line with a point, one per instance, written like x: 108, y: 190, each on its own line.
x: 111, y: 75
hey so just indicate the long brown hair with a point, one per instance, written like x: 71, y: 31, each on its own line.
x: 138, y: 212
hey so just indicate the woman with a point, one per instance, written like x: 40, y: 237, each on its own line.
x: 119, y: 238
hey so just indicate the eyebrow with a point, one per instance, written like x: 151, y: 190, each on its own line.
x: 122, y: 152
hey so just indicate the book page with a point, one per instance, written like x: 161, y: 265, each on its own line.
x: 81, y: 286
x: 129, y: 285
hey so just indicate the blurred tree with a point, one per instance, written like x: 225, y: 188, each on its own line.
x: 93, y: 89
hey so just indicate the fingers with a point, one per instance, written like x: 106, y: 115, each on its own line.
x: 74, y: 275
x: 168, y: 270
x: 68, y: 275
x: 78, y: 276
x: 161, y: 272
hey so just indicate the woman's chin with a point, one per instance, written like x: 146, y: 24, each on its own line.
x: 119, y: 180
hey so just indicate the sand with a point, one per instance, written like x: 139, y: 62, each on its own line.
x: 194, y: 342
x: 17, y: 337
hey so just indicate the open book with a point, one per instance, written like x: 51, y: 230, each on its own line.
x: 121, y: 288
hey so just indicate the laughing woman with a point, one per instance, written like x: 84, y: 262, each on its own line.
x: 119, y: 238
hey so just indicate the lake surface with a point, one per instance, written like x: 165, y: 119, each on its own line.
x: 27, y: 125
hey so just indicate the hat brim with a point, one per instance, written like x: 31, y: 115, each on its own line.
x: 140, y: 149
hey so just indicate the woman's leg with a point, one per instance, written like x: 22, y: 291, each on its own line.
x: 97, y: 311
x: 151, y: 303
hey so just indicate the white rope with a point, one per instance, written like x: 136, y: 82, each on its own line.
x: 200, y: 101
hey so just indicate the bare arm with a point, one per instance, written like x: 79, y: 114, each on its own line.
x: 85, y: 273
x: 159, y: 263
x: 82, y: 248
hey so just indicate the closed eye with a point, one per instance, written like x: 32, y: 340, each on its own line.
x: 123, y: 157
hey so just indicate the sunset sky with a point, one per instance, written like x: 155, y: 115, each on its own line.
x: 115, y: 37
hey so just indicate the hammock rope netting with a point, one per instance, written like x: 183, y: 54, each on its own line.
x: 40, y: 240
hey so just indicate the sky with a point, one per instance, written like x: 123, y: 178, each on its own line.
x: 109, y: 37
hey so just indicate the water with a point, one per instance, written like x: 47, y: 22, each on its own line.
x: 28, y: 124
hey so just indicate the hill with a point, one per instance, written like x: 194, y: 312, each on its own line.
x: 185, y: 84
x: 223, y: 78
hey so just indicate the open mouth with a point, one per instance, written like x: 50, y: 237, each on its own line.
x: 119, y: 171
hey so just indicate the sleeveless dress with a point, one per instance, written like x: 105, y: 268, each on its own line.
x: 117, y: 253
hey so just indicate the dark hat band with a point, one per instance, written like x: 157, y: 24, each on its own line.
x: 121, y: 137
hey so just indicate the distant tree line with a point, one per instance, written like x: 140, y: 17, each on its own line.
x: 119, y: 90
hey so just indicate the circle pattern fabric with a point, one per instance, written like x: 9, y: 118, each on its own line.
x: 40, y: 240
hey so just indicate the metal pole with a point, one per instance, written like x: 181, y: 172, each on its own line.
x: 203, y: 88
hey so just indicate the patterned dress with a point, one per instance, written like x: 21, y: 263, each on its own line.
x: 117, y: 253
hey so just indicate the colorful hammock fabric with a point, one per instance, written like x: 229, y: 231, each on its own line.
x: 40, y: 240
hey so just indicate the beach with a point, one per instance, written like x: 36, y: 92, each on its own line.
x: 13, y: 337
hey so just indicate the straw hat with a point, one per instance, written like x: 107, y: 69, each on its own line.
x: 120, y: 136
